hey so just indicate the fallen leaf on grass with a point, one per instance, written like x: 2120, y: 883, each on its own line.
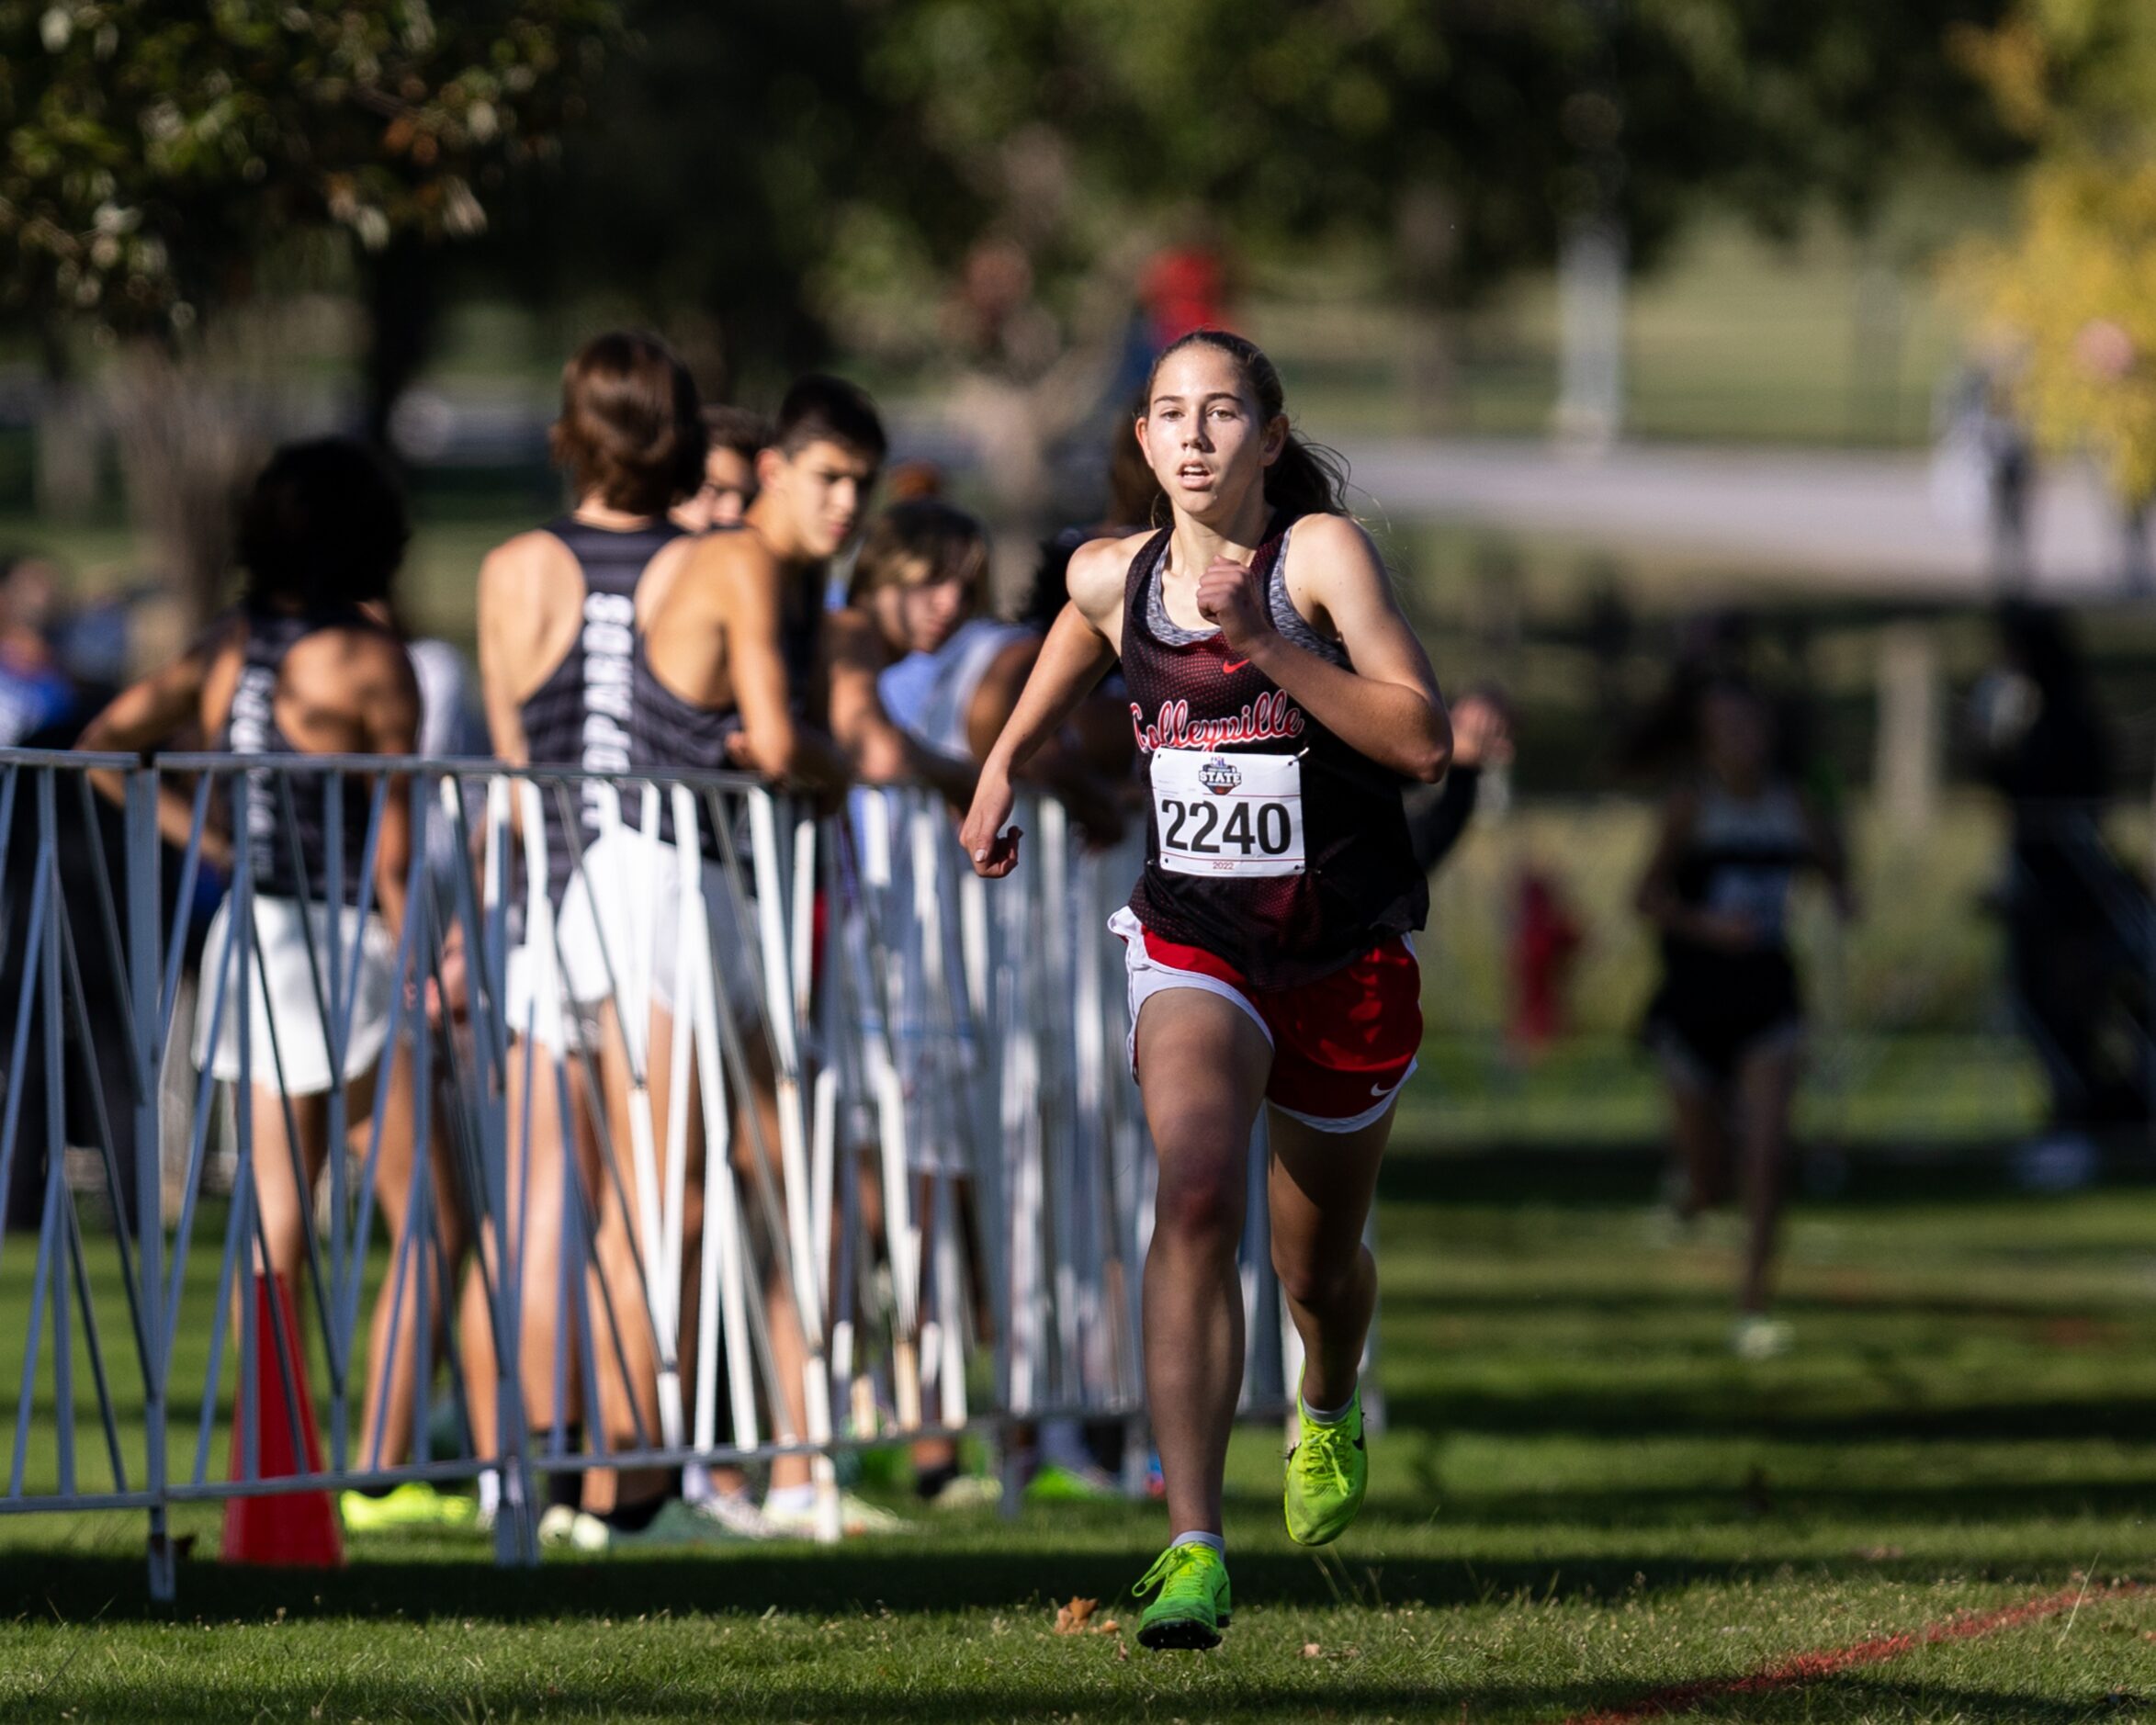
x: 1311, y: 1650
x: 1107, y: 1626
x: 1072, y: 1618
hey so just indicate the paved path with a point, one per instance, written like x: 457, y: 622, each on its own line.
x: 1863, y: 520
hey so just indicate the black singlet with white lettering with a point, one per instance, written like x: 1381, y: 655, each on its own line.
x: 250, y: 729
x: 581, y: 715
x: 668, y: 732
x: 1189, y: 690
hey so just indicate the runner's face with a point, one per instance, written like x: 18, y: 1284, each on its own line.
x: 823, y: 490
x: 1735, y: 737
x: 1204, y: 434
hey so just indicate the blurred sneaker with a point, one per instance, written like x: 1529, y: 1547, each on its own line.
x: 1758, y: 1337
x: 1059, y: 1482
x: 409, y: 1506
x: 967, y: 1492
x: 857, y: 1518
x: 557, y: 1523
x: 675, y: 1527
x: 737, y: 1515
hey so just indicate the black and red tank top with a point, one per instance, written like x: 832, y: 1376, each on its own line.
x: 1269, y: 842
x: 287, y: 814
x: 581, y: 715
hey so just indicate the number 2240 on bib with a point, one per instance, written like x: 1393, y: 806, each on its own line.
x: 1228, y: 814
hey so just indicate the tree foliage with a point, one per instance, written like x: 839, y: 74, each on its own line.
x: 787, y: 166
x: 156, y: 150
x: 2073, y: 287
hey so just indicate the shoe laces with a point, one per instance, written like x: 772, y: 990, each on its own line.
x: 1322, y: 1457
x: 1170, y: 1567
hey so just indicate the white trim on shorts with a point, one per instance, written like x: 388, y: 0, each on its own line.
x: 1145, y: 976
x: 1353, y: 1122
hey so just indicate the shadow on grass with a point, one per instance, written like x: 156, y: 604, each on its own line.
x: 1764, y: 1415
x: 68, y: 1589
x: 1764, y: 1501
x: 1632, y: 1176
x: 1211, y: 1693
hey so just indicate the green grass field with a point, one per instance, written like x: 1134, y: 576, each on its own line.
x: 1582, y: 1500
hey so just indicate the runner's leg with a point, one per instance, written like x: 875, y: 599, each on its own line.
x: 1766, y: 1084
x: 1202, y: 1061
x: 1319, y: 1189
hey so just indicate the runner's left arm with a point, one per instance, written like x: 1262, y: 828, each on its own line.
x: 1387, y: 706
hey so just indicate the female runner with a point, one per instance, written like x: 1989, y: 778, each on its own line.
x: 1279, y: 699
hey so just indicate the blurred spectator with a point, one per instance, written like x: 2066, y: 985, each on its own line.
x: 2075, y: 919
x: 735, y: 435
x: 1545, y: 937
x: 1481, y: 740
x: 1727, y: 1020
x: 908, y: 482
x: 1983, y: 469
x: 1184, y: 288
x: 36, y: 694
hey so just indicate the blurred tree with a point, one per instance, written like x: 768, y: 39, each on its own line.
x: 160, y: 156
x: 2073, y: 290
x: 1461, y: 140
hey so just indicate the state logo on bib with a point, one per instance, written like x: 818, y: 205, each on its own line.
x: 1228, y: 814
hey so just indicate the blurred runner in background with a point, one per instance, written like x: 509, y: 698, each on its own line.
x: 1727, y: 1021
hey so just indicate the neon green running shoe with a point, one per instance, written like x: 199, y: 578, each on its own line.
x: 411, y: 1504
x: 1191, y: 1607
x: 1329, y: 1471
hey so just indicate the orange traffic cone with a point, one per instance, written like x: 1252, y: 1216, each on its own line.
x: 295, y: 1529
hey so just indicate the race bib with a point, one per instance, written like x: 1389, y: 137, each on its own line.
x: 1228, y: 814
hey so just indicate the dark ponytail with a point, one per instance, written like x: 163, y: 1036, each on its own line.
x: 1306, y: 478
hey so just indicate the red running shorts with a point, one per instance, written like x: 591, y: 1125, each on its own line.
x: 1342, y: 1046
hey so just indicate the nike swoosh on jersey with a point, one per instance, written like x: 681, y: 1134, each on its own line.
x: 1228, y: 669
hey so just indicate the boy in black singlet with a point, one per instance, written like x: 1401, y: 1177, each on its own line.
x: 557, y: 615
x: 727, y: 676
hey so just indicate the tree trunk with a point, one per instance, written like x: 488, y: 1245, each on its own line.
x: 186, y: 447
x: 403, y: 312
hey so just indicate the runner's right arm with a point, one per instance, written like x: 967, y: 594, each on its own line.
x: 1076, y: 656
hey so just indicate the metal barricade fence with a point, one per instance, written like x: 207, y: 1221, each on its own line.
x: 734, y: 1132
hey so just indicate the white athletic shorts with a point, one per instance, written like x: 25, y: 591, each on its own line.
x: 287, y: 1028
x: 624, y: 934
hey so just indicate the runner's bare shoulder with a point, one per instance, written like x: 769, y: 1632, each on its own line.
x: 1099, y: 568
